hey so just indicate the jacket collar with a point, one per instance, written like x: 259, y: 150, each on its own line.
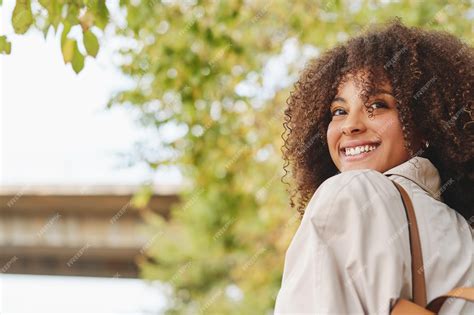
x: 422, y: 172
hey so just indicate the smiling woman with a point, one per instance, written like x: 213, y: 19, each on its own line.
x: 391, y: 106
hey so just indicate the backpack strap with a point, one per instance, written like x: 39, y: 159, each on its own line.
x: 418, y: 272
x: 460, y: 293
x: 417, y: 269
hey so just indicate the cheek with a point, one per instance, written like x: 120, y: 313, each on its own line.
x: 332, y: 135
x: 392, y: 133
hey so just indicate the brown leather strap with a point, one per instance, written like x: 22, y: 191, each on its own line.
x: 405, y: 307
x: 417, y: 270
x: 460, y: 293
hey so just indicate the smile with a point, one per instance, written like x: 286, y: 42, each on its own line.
x: 359, y: 151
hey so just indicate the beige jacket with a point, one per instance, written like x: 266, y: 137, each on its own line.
x: 351, y: 252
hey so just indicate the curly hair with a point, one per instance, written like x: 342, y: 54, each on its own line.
x: 432, y: 77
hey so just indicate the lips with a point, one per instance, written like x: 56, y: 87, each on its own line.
x: 355, y: 150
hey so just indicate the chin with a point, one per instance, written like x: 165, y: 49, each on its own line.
x: 360, y: 166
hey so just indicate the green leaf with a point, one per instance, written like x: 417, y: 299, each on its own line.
x: 68, y: 49
x: 71, y: 53
x: 77, y: 59
x: 22, y: 18
x: 5, y: 45
x: 91, y: 43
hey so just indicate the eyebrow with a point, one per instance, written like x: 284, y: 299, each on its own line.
x: 339, y: 99
x: 382, y: 91
x: 377, y: 92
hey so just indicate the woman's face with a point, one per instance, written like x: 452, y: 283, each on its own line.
x: 357, y: 141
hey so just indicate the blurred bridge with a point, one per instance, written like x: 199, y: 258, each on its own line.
x: 76, y: 231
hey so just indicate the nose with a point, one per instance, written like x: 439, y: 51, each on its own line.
x: 354, y: 123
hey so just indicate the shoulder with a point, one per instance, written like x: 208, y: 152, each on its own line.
x: 360, y: 197
x: 356, y: 185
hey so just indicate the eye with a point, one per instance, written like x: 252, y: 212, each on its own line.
x: 338, y: 112
x: 378, y: 104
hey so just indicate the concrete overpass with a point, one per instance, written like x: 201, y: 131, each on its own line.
x: 80, y: 231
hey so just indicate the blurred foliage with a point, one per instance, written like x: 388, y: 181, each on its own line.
x: 90, y: 15
x: 222, y: 251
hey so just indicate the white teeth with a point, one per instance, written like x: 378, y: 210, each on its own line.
x: 359, y: 149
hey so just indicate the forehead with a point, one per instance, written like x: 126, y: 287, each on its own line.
x: 359, y: 81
